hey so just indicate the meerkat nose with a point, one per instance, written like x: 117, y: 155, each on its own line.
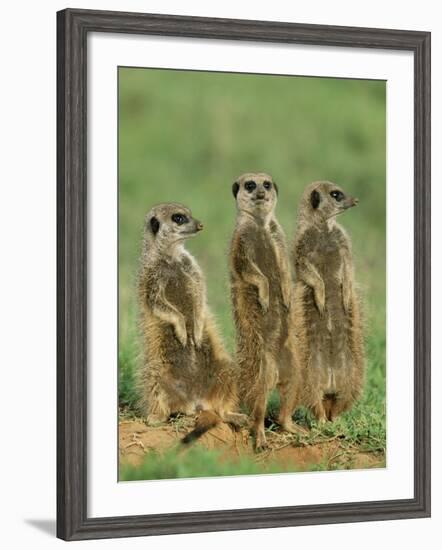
x: 355, y: 202
x: 199, y: 226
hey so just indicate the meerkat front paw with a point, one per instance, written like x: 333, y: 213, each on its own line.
x: 198, y: 335
x: 181, y: 333
x: 346, y: 298
x: 264, y: 298
x: 286, y: 296
x: 320, y: 300
x: 264, y: 303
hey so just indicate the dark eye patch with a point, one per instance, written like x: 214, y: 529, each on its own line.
x: 267, y: 185
x: 250, y: 186
x: 337, y: 195
x: 154, y: 225
x: 180, y: 219
x: 315, y: 199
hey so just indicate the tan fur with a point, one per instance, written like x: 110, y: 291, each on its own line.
x: 326, y: 313
x: 186, y: 368
x: 204, y: 422
x: 261, y: 294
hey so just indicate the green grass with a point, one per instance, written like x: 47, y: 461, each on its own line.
x: 185, y: 136
x: 194, y: 462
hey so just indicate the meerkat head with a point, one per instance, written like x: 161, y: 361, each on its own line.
x: 255, y: 193
x: 324, y: 200
x: 170, y: 223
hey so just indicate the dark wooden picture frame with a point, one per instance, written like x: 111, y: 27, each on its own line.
x: 73, y: 27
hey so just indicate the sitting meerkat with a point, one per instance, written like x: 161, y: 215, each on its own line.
x: 186, y: 368
x: 326, y: 310
x: 261, y: 292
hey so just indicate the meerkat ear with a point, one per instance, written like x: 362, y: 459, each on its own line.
x: 315, y: 199
x: 154, y: 225
x: 276, y: 188
x: 235, y: 189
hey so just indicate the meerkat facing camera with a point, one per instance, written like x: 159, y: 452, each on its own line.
x: 261, y: 293
x: 186, y: 367
x: 326, y: 314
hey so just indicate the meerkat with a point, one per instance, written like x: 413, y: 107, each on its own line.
x: 186, y: 368
x: 326, y: 308
x: 261, y: 285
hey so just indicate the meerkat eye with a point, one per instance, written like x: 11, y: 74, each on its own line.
x: 250, y: 186
x: 337, y: 195
x: 267, y: 185
x: 180, y: 219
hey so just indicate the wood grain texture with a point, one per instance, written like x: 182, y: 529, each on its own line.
x: 72, y: 29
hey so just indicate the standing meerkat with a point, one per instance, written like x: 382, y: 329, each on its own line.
x: 186, y: 368
x: 326, y: 313
x: 261, y: 292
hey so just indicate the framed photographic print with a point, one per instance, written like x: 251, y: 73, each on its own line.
x: 243, y: 274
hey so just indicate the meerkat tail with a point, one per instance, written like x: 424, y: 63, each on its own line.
x: 205, y: 421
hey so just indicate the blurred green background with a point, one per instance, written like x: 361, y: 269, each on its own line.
x: 184, y: 136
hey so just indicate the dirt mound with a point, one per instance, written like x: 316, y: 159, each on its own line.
x: 289, y: 451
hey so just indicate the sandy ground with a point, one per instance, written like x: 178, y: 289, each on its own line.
x: 137, y: 439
